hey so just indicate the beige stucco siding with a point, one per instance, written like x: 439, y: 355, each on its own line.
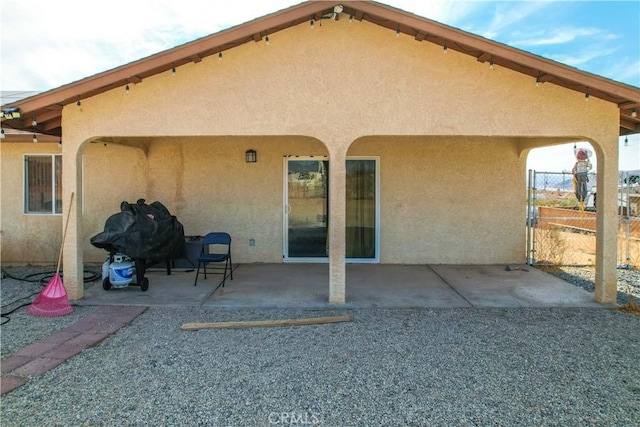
x: 113, y: 173
x: 450, y: 134
x: 32, y: 238
x: 338, y: 83
x: 438, y: 201
x: 344, y: 79
x: 208, y: 185
x: 445, y: 200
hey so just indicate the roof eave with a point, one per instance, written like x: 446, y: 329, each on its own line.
x: 47, y: 106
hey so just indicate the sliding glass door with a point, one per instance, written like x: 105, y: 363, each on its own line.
x: 362, y: 210
x: 307, y: 215
x: 306, y: 210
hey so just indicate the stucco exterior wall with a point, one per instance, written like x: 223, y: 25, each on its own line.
x: 113, y: 173
x: 208, y: 185
x: 343, y: 79
x: 460, y: 181
x: 447, y: 200
x: 32, y: 238
x: 440, y: 201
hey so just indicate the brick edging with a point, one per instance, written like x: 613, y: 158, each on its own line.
x: 40, y: 357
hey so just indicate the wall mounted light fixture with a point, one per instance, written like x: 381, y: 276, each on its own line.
x: 1, y: 133
x: 250, y: 156
x: 35, y: 138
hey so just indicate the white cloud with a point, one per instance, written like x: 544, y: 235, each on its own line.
x: 508, y: 14
x: 624, y: 69
x: 556, y: 36
x: 46, y: 43
x: 443, y: 11
x: 576, y: 59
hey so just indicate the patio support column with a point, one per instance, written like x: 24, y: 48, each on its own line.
x: 606, y: 281
x: 73, y: 262
x: 337, y: 238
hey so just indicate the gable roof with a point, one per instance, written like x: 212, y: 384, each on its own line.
x: 47, y: 106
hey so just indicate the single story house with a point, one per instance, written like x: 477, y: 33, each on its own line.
x: 325, y: 132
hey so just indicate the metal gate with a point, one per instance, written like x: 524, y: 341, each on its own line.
x: 561, y: 231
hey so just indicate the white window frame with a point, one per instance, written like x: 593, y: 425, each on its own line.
x: 287, y: 259
x: 25, y: 184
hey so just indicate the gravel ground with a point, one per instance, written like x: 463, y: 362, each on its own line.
x: 448, y: 367
x: 584, y: 277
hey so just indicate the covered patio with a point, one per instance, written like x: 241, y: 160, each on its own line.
x: 367, y: 286
x: 442, y: 145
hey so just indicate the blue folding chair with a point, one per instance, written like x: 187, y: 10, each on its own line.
x: 216, y: 248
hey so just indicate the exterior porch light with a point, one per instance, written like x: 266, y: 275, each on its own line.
x: 586, y: 95
x: 634, y: 113
x: 250, y: 156
x: 220, y: 56
x: 126, y: 89
x: 626, y: 141
x: 1, y: 133
x: 34, y: 122
x: 35, y: 138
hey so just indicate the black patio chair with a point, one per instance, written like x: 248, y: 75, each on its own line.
x: 216, y: 248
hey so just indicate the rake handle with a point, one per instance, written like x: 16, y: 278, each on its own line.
x: 64, y: 235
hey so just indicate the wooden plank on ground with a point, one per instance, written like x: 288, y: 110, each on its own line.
x: 264, y: 323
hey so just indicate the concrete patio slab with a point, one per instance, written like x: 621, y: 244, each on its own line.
x: 367, y: 285
x: 166, y: 290
x: 274, y: 286
x: 512, y: 286
x: 398, y: 286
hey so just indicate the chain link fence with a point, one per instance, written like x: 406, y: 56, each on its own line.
x: 561, y: 231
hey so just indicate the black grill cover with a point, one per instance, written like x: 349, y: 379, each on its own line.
x: 143, y: 231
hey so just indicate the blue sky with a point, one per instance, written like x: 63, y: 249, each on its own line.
x: 46, y: 44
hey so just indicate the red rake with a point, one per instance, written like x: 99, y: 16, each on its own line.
x: 53, y: 301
